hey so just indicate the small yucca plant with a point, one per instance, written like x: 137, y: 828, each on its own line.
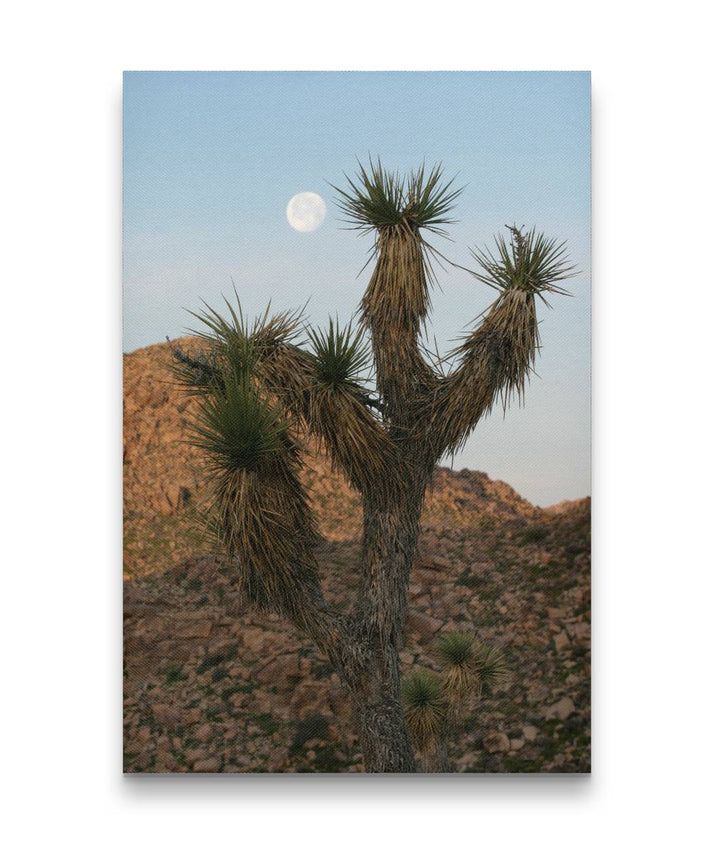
x: 456, y: 651
x: 433, y: 703
x: 425, y: 708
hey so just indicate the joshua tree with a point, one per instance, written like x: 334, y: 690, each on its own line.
x: 264, y: 386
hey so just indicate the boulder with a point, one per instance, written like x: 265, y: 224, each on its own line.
x: 496, y: 741
x: 424, y: 625
x: 561, y: 709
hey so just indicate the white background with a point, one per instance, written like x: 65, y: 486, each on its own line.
x: 655, y: 148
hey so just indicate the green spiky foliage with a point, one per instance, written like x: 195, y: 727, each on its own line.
x: 455, y: 648
x: 262, y: 388
x: 321, y: 388
x: 425, y: 708
x: 456, y: 651
x: 433, y: 704
x: 378, y: 198
x: 490, y: 667
x: 266, y: 349
x: 340, y: 358
x: 238, y: 429
x: 532, y: 263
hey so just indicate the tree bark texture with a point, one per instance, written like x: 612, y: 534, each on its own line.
x: 391, y: 526
x: 379, y: 716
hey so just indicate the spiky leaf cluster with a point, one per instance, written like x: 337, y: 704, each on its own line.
x: 378, y: 198
x: 266, y: 349
x: 237, y: 428
x: 470, y: 666
x: 336, y: 410
x: 455, y: 648
x: 340, y: 358
x: 531, y: 263
x: 456, y: 651
x: 236, y: 333
x: 425, y: 707
x: 490, y: 667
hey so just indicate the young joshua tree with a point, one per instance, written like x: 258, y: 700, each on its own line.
x: 263, y: 387
x: 434, y: 704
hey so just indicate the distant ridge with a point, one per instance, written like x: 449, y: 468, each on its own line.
x: 163, y: 474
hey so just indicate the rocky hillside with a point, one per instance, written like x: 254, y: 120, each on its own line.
x: 213, y: 687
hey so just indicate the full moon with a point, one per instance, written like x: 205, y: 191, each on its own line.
x: 306, y: 211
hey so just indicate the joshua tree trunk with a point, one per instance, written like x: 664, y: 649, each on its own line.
x: 379, y: 716
x: 259, y: 388
x: 389, y: 544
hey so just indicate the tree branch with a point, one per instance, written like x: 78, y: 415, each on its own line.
x: 496, y: 359
x: 194, y: 371
x: 328, y: 629
x: 394, y: 308
x: 375, y: 403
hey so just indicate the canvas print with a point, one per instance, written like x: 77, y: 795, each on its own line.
x: 356, y: 422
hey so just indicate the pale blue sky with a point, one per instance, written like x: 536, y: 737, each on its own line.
x: 211, y: 160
